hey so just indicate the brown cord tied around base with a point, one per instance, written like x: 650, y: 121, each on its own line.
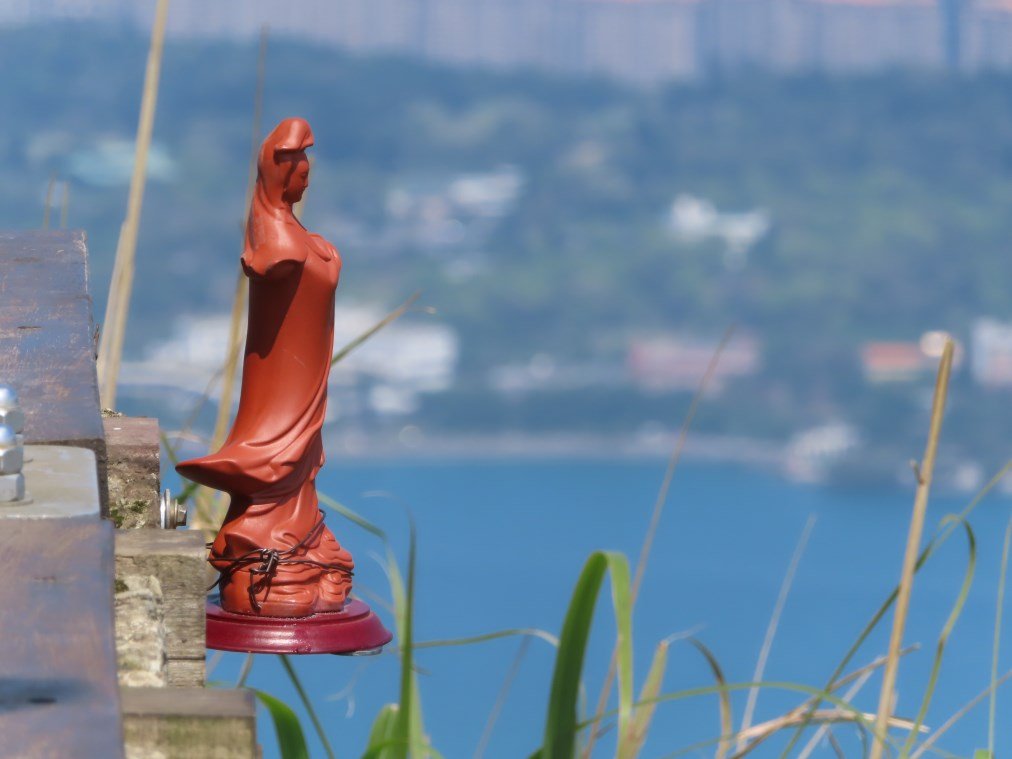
x: 268, y: 561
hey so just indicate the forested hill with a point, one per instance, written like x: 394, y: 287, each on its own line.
x: 889, y: 197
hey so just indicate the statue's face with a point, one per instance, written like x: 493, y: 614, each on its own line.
x: 298, y: 177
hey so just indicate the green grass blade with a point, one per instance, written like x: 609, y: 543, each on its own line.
x: 304, y: 697
x: 291, y: 741
x: 726, y: 717
x: 382, y: 732
x: 651, y: 689
x: 621, y: 600
x: 393, y: 316
x: 352, y: 516
x: 943, y: 638
x: 560, y: 724
x: 929, y: 744
x: 529, y: 632
x: 408, y: 737
x: 409, y: 734
x: 561, y: 720
x: 999, y: 605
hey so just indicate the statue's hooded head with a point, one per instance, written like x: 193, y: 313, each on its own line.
x: 282, y: 178
x: 282, y: 166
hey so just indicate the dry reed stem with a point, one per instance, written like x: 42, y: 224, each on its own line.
x: 859, y: 677
x: 925, y: 471
x: 848, y: 696
x: 771, y: 630
x: 110, y: 349
x: 823, y: 716
x: 655, y: 517
x: 500, y: 701
x: 47, y: 206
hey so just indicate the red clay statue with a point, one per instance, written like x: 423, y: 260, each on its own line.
x: 275, y: 555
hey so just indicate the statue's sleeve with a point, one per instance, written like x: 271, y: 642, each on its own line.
x: 276, y: 259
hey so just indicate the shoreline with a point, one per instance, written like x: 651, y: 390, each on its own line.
x: 412, y: 443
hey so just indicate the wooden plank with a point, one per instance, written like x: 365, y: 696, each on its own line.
x: 181, y: 723
x: 58, y: 691
x: 48, y: 339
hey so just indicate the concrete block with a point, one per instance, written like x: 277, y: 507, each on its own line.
x: 176, y: 558
x: 133, y: 451
x: 140, y: 631
x: 184, y: 723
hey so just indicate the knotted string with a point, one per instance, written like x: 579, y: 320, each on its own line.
x: 263, y: 563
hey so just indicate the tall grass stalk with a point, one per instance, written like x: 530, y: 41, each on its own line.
x: 64, y: 205
x: 936, y: 542
x: 110, y: 349
x: 771, y: 630
x: 658, y: 510
x: 925, y: 471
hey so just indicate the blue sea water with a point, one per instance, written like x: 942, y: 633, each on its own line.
x: 500, y: 545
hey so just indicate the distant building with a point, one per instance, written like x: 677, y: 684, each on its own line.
x: 883, y: 362
x: 666, y: 363
x: 991, y: 353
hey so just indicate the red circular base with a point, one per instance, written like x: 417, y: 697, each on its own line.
x: 353, y: 630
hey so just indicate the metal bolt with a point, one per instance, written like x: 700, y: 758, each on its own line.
x: 12, y: 459
x: 11, y: 414
x: 173, y: 513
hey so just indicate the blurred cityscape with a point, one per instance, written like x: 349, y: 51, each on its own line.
x: 641, y: 41
x: 581, y: 245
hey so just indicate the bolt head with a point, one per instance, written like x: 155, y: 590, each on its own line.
x: 12, y: 460
x: 13, y: 418
x: 8, y: 398
x: 12, y: 487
